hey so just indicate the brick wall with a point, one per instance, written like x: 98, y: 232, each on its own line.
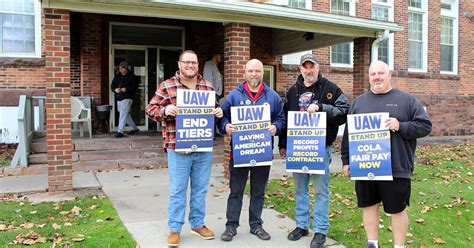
x: 58, y: 100
x: 91, y: 63
x: 236, y: 55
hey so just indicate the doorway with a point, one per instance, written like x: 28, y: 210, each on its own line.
x: 152, y: 53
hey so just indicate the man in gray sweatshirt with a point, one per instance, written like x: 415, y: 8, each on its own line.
x: 407, y: 122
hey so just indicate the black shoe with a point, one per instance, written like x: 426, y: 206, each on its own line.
x: 260, y: 233
x: 118, y: 135
x: 370, y: 245
x: 228, y: 234
x: 134, y: 131
x: 297, y: 234
x: 318, y: 240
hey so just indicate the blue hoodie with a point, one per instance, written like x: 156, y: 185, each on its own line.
x: 239, y: 97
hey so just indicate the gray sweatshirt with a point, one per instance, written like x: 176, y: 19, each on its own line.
x: 414, y: 123
x: 212, y: 74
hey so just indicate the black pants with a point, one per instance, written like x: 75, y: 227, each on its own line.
x: 258, y: 182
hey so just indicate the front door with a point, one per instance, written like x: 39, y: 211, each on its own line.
x: 136, y: 57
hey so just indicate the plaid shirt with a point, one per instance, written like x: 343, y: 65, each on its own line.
x: 165, y: 95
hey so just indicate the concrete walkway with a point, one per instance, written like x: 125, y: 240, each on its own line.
x: 141, y: 198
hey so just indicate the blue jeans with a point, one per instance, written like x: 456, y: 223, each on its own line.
x: 321, y: 205
x: 182, y: 167
x: 123, y: 108
x: 238, y: 180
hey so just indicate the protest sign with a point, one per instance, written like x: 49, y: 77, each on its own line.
x: 306, y: 142
x: 195, y: 120
x: 251, y: 139
x: 369, y: 147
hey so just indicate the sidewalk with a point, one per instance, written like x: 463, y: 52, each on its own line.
x: 140, y: 198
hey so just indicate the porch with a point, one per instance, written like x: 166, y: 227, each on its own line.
x: 104, y: 152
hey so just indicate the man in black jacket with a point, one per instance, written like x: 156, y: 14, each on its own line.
x: 314, y: 93
x: 124, y: 85
x: 407, y: 121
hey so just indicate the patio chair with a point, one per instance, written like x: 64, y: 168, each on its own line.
x: 77, y: 106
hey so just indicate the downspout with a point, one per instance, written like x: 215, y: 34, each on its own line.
x: 375, y: 45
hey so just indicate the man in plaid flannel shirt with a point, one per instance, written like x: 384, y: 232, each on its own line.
x: 183, y: 167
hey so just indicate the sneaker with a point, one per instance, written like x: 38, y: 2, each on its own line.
x: 228, y: 234
x: 297, y: 233
x: 132, y: 132
x: 203, y: 232
x: 118, y: 135
x: 260, y: 233
x: 173, y: 239
x: 318, y: 240
x: 370, y: 245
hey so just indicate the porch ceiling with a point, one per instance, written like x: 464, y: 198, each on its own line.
x: 289, y: 23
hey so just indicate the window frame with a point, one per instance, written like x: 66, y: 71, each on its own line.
x: 424, y: 12
x: 37, y: 33
x: 352, y: 12
x: 391, y: 18
x: 454, y: 15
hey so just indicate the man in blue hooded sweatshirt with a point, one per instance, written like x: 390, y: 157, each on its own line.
x: 250, y: 92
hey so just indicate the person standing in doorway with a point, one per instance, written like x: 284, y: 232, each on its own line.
x: 212, y: 74
x: 124, y: 85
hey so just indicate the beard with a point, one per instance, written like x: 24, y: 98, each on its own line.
x: 309, y: 78
x: 254, y: 83
x: 187, y: 73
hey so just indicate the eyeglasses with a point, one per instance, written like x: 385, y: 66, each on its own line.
x: 189, y: 62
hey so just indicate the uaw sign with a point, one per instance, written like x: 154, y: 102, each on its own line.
x: 195, y: 120
x: 306, y: 142
x: 369, y: 147
x: 251, y: 139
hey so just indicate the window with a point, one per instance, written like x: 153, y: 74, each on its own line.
x: 294, y: 58
x: 449, y: 37
x: 341, y: 55
x: 20, y: 28
x: 382, y: 10
x: 417, y: 38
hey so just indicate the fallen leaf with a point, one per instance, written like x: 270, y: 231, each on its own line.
x: 439, y: 241
x: 40, y: 225
x: 109, y: 219
x: 92, y: 207
x: 50, y: 217
x: 79, y: 238
x: 64, y: 212
x: 281, y: 216
x: 420, y: 221
x: 67, y: 224
x: 410, y: 235
x: 33, y: 212
x: 459, y: 213
x: 27, y: 225
x: 99, y: 220
x: 76, y: 210
x: 56, y: 226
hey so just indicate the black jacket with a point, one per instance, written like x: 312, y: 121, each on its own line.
x: 330, y: 99
x: 129, y: 81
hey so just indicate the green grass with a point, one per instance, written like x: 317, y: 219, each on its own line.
x: 98, y: 226
x: 441, y: 208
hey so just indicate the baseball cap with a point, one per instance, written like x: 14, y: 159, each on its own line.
x: 308, y: 57
x: 124, y: 64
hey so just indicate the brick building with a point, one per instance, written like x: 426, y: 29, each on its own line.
x: 59, y: 48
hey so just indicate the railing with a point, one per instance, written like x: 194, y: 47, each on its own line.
x: 26, y: 128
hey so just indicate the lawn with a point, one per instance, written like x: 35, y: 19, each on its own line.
x: 441, y: 208
x: 84, y: 222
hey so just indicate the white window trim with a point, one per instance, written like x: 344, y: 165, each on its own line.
x: 424, y: 11
x: 284, y: 59
x: 454, y: 13
x: 37, y: 53
x: 391, y: 38
x: 352, y: 12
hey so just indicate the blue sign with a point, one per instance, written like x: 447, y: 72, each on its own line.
x: 195, y: 120
x: 251, y: 139
x: 369, y: 147
x: 306, y: 142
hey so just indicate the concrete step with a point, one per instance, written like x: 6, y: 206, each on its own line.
x: 119, y: 164
x: 128, y: 142
x: 120, y: 154
x: 42, y: 158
